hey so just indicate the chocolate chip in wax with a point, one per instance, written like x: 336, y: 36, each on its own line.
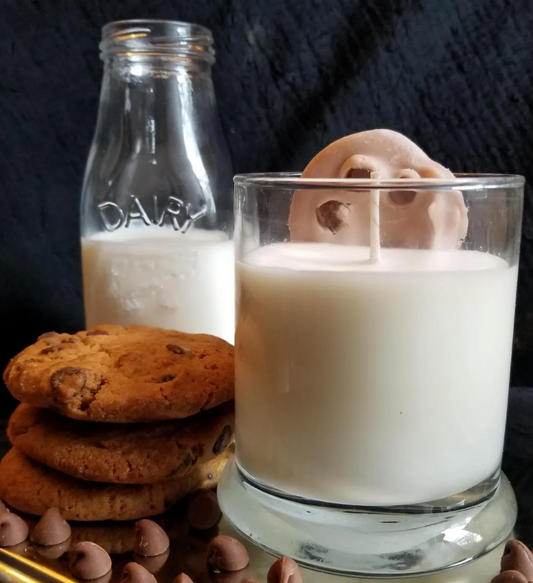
x: 517, y: 557
x: 13, y: 530
x: 135, y: 573
x: 51, y: 530
x: 509, y: 577
x: 284, y: 570
x: 89, y: 561
x: 225, y: 553
x: 203, y: 512
x: 150, y: 539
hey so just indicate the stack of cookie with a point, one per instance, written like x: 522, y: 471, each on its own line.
x: 117, y: 423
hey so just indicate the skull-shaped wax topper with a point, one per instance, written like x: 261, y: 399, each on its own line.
x: 416, y: 219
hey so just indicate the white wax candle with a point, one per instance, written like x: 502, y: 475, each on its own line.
x: 157, y: 277
x: 372, y: 383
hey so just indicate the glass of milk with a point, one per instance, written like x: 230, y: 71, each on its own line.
x: 371, y: 390
x: 156, y: 209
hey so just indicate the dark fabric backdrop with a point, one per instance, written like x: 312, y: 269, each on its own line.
x: 291, y: 76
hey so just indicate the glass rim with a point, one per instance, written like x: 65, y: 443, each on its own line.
x: 463, y: 181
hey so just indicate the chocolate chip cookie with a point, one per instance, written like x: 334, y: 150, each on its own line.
x: 127, y: 454
x: 122, y: 374
x: 31, y: 487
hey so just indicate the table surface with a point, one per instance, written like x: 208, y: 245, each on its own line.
x: 187, y: 552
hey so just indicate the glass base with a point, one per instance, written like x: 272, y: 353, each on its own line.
x: 364, y: 542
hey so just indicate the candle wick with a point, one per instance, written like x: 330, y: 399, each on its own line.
x: 375, y: 246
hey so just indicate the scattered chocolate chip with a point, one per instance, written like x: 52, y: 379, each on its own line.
x: 51, y: 349
x: 175, y: 349
x: 150, y: 539
x: 332, y: 215
x: 183, y: 578
x: 509, y: 577
x: 284, y: 570
x: 167, y: 378
x: 223, y: 440
x: 152, y: 564
x: 203, y: 511
x: 225, y: 553
x: 54, y: 552
x: 51, y: 530
x: 47, y: 335
x: 135, y: 573
x: 517, y: 557
x: 97, y: 333
x: 89, y: 561
x: 13, y: 530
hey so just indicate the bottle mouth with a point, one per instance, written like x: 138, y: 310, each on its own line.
x: 169, y: 39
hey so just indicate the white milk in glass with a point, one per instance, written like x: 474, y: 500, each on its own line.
x: 372, y: 384
x: 158, y: 277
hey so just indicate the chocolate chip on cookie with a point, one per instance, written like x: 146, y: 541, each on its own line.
x: 224, y: 440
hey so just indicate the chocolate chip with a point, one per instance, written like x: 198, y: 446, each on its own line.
x: 47, y: 335
x: 203, y: 511
x: 13, y: 530
x: 517, y: 557
x: 68, y: 340
x: 72, y: 376
x: 509, y: 577
x: 89, y: 561
x: 167, y: 378
x: 54, y: 552
x: 135, y: 573
x: 187, y: 462
x: 52, y: 529
x: 225, y: 553
x: 51, y: 349
x: 175, y: 349
x: 152, y: 564
x: 183, y: 578
x: 284, y: 570
x: 76, y: 384
x: 332, y: 215
x: 223, y: 440
x: 150, y: 539
x: 97, y: 333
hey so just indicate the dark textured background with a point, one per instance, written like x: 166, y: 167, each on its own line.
x: 291, y: 76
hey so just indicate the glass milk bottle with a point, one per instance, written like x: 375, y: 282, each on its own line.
x: 156, y: 209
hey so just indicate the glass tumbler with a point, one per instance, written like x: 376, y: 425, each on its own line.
x: 373, y: 350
